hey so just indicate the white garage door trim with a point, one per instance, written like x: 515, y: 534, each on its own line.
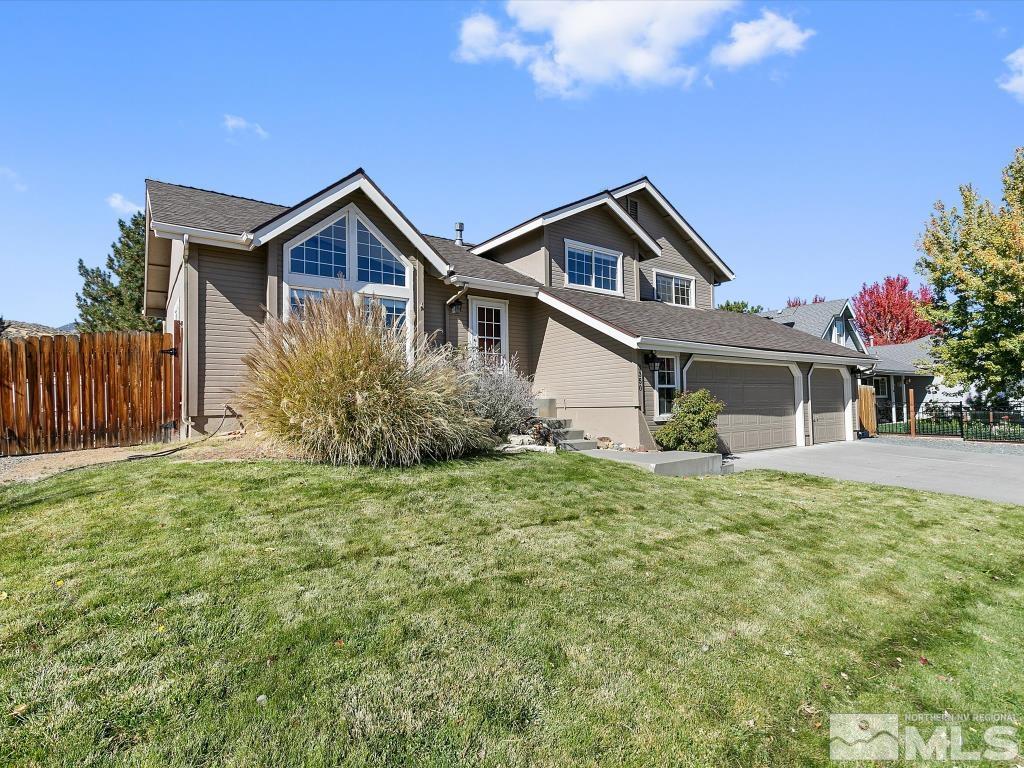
x: 798, y: 385
x: 847, y: 396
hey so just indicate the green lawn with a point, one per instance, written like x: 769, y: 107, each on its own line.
x: 531, y: 610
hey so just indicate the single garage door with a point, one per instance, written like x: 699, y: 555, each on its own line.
x: 828, y: 407
x: 759, y: 403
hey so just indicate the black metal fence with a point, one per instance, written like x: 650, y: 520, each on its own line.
x: 952, y: 419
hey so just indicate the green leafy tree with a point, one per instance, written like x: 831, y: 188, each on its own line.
x: 111, y: 298
x: 974, y: 262
x: 743, y: 307
x: 693, y: 425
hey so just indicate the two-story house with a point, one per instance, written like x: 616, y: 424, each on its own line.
x: 606, y: 301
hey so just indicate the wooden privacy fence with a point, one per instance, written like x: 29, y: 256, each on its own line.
x: 866, y: 410
x: 64, y: 393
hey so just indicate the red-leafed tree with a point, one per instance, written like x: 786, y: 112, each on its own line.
x: 887, y: 312
x: 796, y: 301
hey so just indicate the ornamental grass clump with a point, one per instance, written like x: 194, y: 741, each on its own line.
x: 502, y: 394
x: 693, y: 423
x: 338, y: 384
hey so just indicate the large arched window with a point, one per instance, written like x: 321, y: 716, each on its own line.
x: 347, y: 248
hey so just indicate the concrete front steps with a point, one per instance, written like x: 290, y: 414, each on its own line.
x: 569, y: 439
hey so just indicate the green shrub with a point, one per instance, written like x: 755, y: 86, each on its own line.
x: 692, y: 426
x: 501, y: 394
x: 338, y: 385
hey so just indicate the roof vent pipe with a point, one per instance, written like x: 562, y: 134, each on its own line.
x: 458, y: 232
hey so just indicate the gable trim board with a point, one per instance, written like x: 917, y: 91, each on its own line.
x: 645, y: 184
x: 357, y: 181
x: 550, y: 217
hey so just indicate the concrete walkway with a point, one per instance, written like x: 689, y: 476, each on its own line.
x: 966, y: 473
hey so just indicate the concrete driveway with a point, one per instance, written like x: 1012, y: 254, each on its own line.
x: 966, y: 473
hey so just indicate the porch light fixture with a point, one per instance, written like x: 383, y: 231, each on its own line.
x: 456, y: 307
x: 653, y: 362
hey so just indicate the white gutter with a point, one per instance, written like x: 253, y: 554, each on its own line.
x: 697, y: 347
x: 497, y: 286
x: 204, y: 236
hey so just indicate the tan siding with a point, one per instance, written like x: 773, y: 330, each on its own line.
x: 677, y: 254
x: 232, y: 291
x: 525, y: 255
x: 581, y: 367
x: 520, y: 327
x: 435, y: 294
x: 597, y: 226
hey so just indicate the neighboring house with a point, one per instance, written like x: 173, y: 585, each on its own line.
x: 904, y: 367
x: 15, y: 329
x: 830, y: 320
x: 607, y: 302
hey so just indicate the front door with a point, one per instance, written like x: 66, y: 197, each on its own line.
x: 488, y: 329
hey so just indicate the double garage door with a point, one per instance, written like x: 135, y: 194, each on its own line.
x: 760, y: 403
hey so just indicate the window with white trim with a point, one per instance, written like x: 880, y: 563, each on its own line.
x: 297, y: 298
x: 325, y: 254
x: 667, y: 384
x: 674, y: 289
x: 347, y: 247
x: 592, y: 268
x: 376, y: 263
x: 881, y: 385
x: 393, y: 310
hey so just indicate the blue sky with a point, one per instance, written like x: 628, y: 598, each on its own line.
x: 805, y: 141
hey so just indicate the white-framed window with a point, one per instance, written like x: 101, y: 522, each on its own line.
x: 666, y: 382
x: 881, y: 385
x: 394, y: 310
x: 297, y: 298
x: 672, y: 288
x: 347, y: 247
x: 488, y: 329
x: 592, y: 268
x: 840, y: 331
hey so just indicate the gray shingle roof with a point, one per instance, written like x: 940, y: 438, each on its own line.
x: 203, y: 209
x: 469, y: 265
x: 809, y: 318
x: 709, y: 326
x: 904, y: 358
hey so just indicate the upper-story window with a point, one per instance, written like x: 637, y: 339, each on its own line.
x: 347, y: 247
x: 593, y: 268
x: 324, y: 254
x: 675, y: 289
x: 840, y: 331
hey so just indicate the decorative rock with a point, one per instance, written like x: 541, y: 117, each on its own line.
x: 262, y: 700
x: 522, y: 440
x: 604, y: 442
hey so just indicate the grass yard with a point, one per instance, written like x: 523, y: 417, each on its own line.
x: 530, y: 610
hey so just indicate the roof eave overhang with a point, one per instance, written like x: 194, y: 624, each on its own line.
x: 358, y: 182
x: 203, y: 236
x: 723, y: 350
x: 605, y: 198
x: 680, y: 222
x: 496, y: 286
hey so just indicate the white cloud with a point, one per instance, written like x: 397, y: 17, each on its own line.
x: 751, y: 41
x: 118, y: 202
x: 235, y: 124
x: 13, y: 178
x: 569, y: 47
x: 1013, y: 81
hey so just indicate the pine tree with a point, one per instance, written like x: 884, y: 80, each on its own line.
x: 111, y: 298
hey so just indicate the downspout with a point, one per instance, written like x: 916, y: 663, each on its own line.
x: 186, y: 420
x: 447, y: 308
